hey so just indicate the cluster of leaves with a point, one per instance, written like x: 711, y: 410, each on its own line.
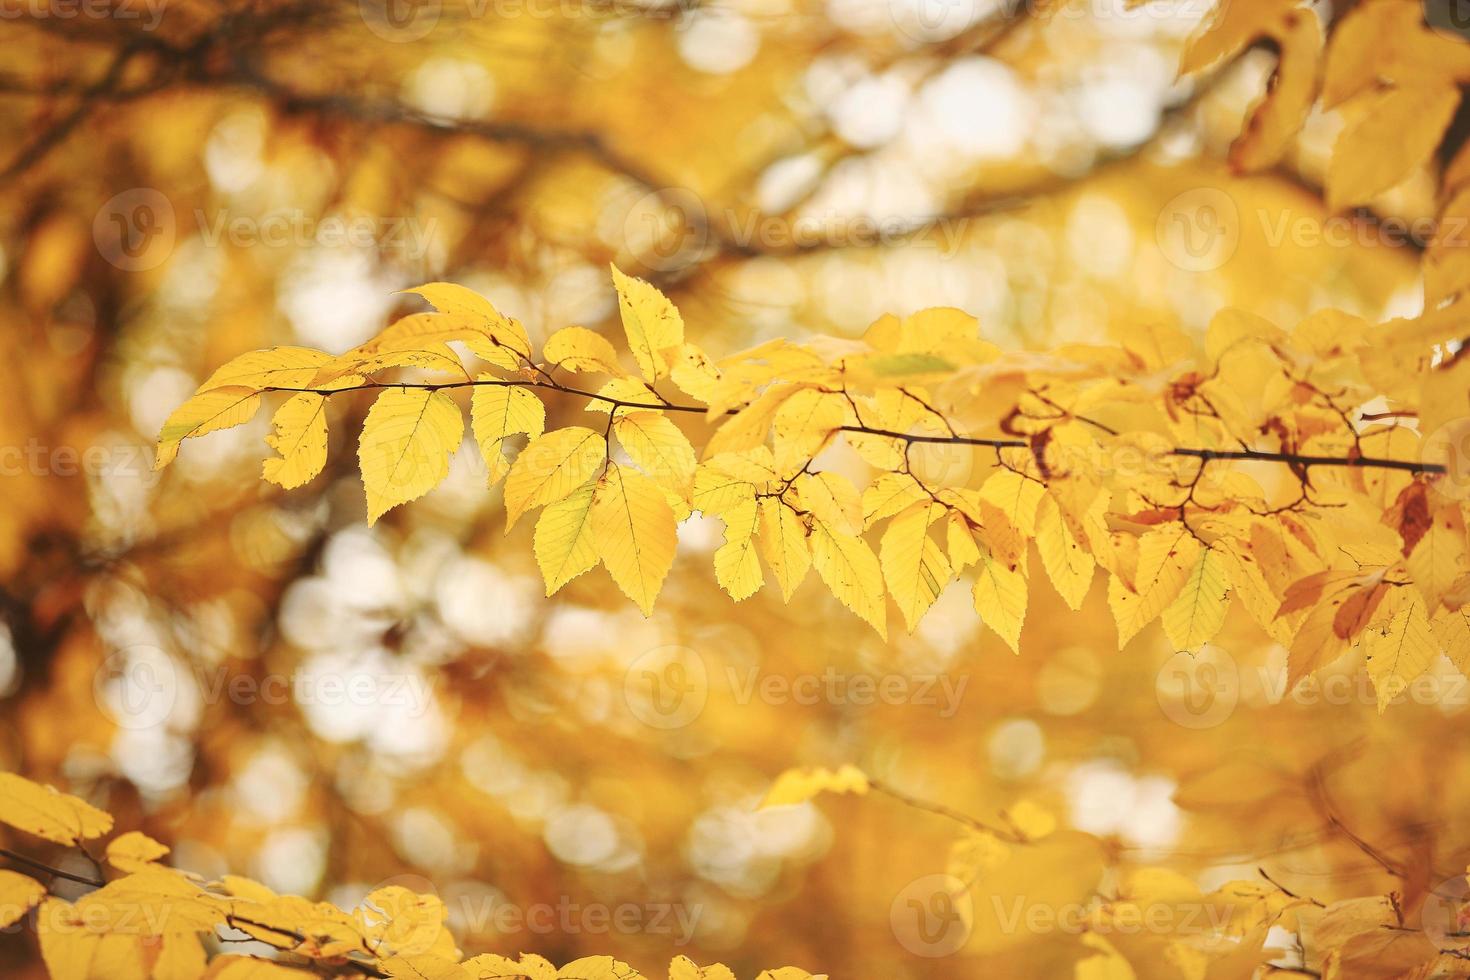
x: 1194, y: 934
x: 1143, y: 459
x: 152, y: 920
x: 1398, y: 82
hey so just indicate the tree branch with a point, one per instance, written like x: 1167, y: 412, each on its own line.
x: 1204, y: 455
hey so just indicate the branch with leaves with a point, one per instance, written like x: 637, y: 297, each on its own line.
x: 1149, y: 460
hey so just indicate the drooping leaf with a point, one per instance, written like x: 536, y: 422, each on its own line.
x: 407, y: 439
x: 634, y: 530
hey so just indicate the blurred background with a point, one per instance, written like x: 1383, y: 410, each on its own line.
x: 257, y: 679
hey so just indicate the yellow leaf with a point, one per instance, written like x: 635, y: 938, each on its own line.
x: 1380, y: 148
x: 831, y: 498
x: 18, y: 895
x: 564, y: 541
x: 726, y: 481
x: 974, y: 854
x: 783, y: 545
x: 890, y: 494
x: 447, y: 297
x: 851, y: 571
x: 1106, y: 964
x: 403, y: 352
x: 550, y: 468
x: 491, y: 966
x: 1000, y: 599
x: 425, y: 967
x: 1439, y: 560
x: 635, y: 533
x: 1068, y: 563
x: 407, y: 439
x: 300, y: 436
x: 1401, y: 650
x: 251, y: 968
x: 181, y: 958
x: 1278, y: 116
x: 53, y: 816
x: 683, y: 968
x: 802, y: 784
x: 498, y: 412
x: 1031, y: 820
x: 737, y: 568
x: 659, y: 449
x: 652, y: 324
x: 1017, y: 497
x: 1341, y: 605
x: 206, y: 412
x: 749, y: 427
x: 623, y: 395
x: 274, y: 367
x: 695, y: 374
x: 597, y: 968
x: 1452, y: 630
x: 397, y: 921
x: 134, y: 851
x: 960, y: 541
x: 68, y: 948
x: 803, y: 424
x: 1196, y: 615
x: 913, y: 565
x: 1165, y: 556
x: 581, y: 350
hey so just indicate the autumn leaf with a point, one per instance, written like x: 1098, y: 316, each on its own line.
x: 300, y: 436
x: 564, y: 540
x: 579, y: 349
x: 134, y: 851
x: 783, y: 545
x: 851, y: 571
x: 1400, y: 650
x: 737, y: 567
x: 634, y: 532
x: 499, y: 411
x: 550, y: 468
x: 18, y: 895
x: 407, y: 439
x: 658, y: 448
x: 48, y: 814
x: 914, y: 567
x: 802, y: 784
x: 1198, y: 612
x: 1364, y: 166
x: 206, y: 412
x: 1000, y: 599
x: 652, y: 324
